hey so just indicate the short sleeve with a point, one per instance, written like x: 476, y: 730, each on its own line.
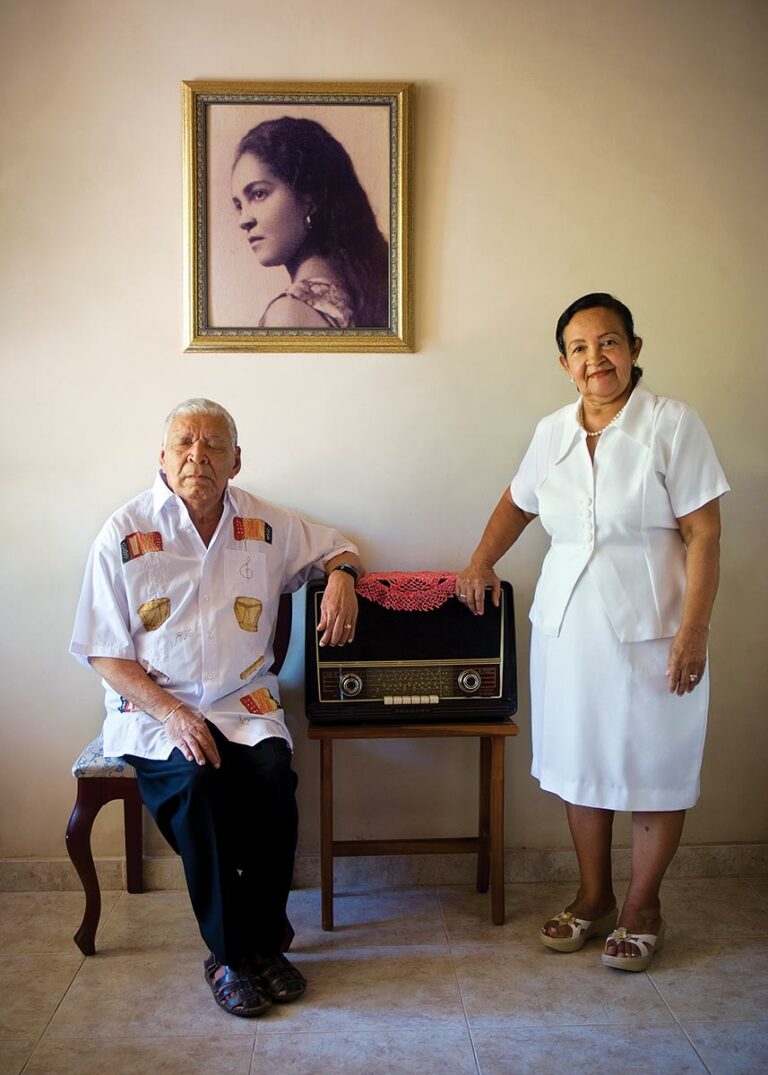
x: 310, y: 545
x: 102, y: 619
x: 693, y: 474
x: 526, y: 483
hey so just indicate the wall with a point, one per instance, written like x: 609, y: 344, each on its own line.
x: 560, y: 149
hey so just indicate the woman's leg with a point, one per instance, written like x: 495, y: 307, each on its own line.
x: 655, y: 837
x: 591, y: 830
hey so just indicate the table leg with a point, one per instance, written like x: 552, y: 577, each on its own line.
x: 484, y: 814
x: 326, y: 832
x: 497, y: 829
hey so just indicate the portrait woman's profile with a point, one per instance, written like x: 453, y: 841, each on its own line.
x: 299, y: 204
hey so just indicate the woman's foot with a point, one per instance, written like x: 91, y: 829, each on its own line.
x: 582, y: 919
x: 637, y: 949
x: 645, y: 921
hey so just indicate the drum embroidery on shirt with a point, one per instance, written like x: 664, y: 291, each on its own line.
x: 136, y: 544
x: 260, y: 701
x: 251, y: 529
x: 247, y: 613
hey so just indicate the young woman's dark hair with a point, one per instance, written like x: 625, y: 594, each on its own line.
x: 607, y: 302
x: 343, y: 227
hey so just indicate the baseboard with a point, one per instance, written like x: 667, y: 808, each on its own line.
x: 163, y: 872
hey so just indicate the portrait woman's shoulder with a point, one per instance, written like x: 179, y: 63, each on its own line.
x: 288, y: 312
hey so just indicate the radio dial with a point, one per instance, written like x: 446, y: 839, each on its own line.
x: 469, y: 681
x: 351, y: 684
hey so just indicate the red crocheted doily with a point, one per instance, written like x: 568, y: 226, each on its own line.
x: 408, y: 591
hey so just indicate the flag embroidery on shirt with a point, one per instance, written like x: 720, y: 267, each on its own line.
x: 260, y: 701
x: 252, y: 530
x: 252, y: 667
x: 137, y: 544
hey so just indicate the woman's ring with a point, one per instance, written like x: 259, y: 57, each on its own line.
x: 692, y: 677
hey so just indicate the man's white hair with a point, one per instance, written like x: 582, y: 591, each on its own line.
x: 201, y: 406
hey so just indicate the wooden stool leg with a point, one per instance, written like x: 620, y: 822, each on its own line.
x: 134, y: 871
x: 87, y: 806
x: 497, y: 829
x: 326, y: 832
x: 484, y: 814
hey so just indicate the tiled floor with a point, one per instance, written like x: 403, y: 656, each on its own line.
x: 414, y: 981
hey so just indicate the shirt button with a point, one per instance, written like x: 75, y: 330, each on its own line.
x: 206, y: 597
x: 210, y: 634
x: 209, y: 676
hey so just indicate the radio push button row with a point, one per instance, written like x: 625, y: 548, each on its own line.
x: 407, y: 700
x: 424, y: 699
x: 433, y: 699
x: 397, y: 700
x: 388, y: 699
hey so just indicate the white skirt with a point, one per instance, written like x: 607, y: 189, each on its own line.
x: 606, y: 732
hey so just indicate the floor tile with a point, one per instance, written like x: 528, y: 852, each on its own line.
x: 13, y: 1056
x: 187, y: 1055
x: 518, y: 985
x: 367, y: 919
x: 724, y: 906
x: 586, y: 1050
x: 118, y: 994
x: 351, y: 1053
x: 45, y: 921
x: 722, y: 980
x: 527, y: 907
x: 46, y: 977
x: 731, y: 1048
x: 410, y: 988
x: 152, y: 921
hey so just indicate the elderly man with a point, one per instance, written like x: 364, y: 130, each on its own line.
x: 177, y: 614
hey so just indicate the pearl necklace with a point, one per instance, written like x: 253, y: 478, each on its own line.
x: 599, y: 432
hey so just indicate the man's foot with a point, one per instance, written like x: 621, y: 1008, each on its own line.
x: 281, y: 980
x: 237, y: 991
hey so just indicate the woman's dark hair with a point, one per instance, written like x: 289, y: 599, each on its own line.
x: 607, y: 302
x: 344, y: 230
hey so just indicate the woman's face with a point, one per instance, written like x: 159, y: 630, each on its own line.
x: 598, y: 355
x: 271, y: 215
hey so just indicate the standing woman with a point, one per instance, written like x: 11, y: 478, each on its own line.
x: 301, y: 205
x: 627, y: 484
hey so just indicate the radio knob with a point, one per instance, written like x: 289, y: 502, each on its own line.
x: 469, y: 681
x: 351, y: 684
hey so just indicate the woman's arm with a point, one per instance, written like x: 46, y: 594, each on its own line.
x: 504, y: 527
x: 186, y: 729
x: 700, y: 531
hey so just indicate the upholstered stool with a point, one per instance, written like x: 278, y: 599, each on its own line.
x: 99, y: 781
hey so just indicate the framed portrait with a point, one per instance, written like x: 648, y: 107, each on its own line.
x: 297, y: 216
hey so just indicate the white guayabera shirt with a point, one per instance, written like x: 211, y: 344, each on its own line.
x: 653, y: 465
x: 200, y: 621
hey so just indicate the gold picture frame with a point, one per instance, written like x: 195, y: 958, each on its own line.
x: 231, y: 296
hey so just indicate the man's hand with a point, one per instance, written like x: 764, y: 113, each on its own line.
x: 188, y: 731
x: 338, y: 610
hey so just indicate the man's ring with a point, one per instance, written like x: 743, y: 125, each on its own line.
x: 347, y: 626
x: 462, y: 597
x: 692, y: 677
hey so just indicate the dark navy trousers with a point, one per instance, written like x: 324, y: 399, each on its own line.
x: 235, y: 828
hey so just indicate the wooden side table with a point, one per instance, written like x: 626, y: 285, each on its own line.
x: 488, y: 845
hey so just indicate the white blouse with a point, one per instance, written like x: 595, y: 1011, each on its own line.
x: 653, y: 465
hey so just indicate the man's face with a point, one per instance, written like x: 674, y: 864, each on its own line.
x: 199, y: 459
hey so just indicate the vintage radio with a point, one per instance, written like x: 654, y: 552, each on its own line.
x: 442, y: 665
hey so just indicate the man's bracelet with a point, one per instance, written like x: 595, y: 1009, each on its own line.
x: 169, y: 714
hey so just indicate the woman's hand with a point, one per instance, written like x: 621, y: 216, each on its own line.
x: 338, y: 610
x: 188, y: 731
x: 687, y: 659
x: 472, y: 582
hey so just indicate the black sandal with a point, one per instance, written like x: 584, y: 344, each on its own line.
x: 280, y: 978
x: 236, y: 991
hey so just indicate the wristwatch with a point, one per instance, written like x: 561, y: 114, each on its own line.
x: 348, y: 569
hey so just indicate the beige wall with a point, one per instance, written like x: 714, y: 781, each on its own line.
x: 560, y: 148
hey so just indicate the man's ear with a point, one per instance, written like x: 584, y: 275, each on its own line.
x: 236, y: 467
